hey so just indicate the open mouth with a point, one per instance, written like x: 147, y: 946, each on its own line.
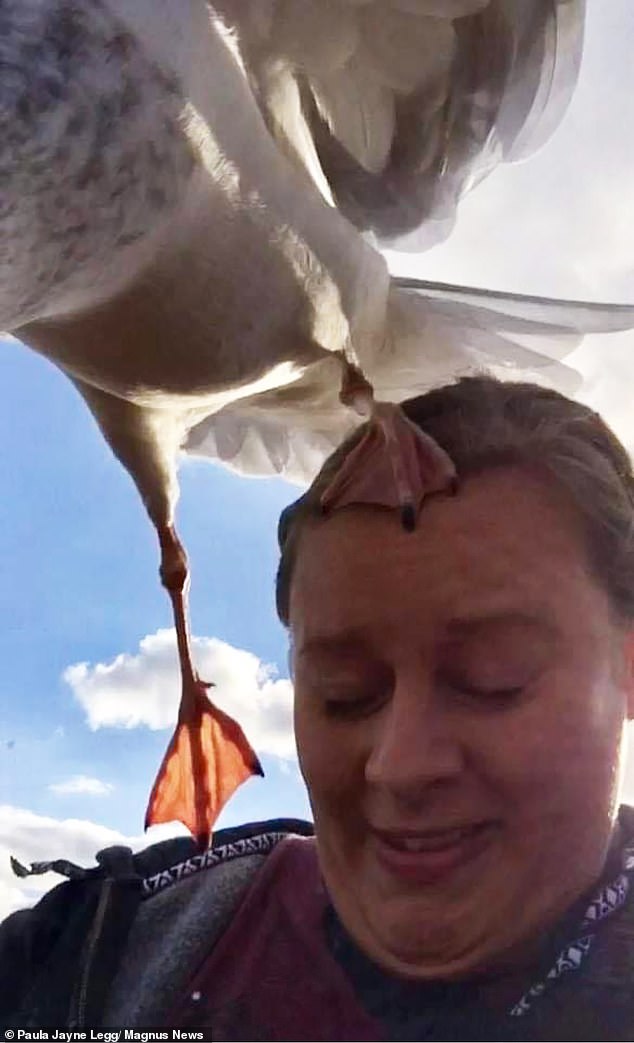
x: 431, y: 854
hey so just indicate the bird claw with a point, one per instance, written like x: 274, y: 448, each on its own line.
x: 408, y: 517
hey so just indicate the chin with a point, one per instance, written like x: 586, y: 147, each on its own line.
x: 413, y: 939
x: 405, y: 947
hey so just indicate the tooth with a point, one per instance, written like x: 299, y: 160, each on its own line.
x: 430, y: 843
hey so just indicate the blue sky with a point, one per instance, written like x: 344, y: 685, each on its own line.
x: 80, y: 582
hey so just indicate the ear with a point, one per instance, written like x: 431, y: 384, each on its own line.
x: 628, y: 670
x: 290, y: 659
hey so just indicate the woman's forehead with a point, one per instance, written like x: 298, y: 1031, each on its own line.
x: 499, y: 511
x: 507, y: 542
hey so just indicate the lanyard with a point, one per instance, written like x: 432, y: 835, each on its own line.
x: 608, y: 900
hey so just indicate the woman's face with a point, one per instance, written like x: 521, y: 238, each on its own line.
x: 461, y: 693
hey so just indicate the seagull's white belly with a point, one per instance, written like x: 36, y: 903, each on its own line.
x: 93, y: 157
x: 220, y: 312
x: 156, y: 245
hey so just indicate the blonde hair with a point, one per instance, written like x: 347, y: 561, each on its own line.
x: 483, y: 422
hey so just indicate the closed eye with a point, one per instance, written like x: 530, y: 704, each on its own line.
x: 353, y: 706
x: 490, y: 693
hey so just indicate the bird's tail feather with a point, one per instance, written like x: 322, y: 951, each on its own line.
x: 459, y: 330
x: 517, y: 312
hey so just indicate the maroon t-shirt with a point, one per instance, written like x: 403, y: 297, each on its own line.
x: 271, y: 975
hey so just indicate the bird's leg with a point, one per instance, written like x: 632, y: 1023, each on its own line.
x: 174, y: 573
x: 394, y: 465
x: 208, y: 756
x: 356, y: 390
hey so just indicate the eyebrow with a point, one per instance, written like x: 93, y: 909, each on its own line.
x: 351, y: 640
x: 465, y: 627
x: 456, y: 629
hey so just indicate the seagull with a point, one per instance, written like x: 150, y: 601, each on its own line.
x: 194, y: 201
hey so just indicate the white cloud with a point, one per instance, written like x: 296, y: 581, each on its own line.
x: 83, y: 784
x: 144, y: 689
x: 38, y: 838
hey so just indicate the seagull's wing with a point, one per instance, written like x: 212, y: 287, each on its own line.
x: 395, y: 108
x: 287, y: 432
x: 436, y: 333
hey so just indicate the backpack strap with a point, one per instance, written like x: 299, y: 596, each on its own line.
x: 117, y: 902
x: 49, y: 952
x: 58, y: 959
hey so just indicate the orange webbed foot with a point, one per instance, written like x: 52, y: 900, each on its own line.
x: 207, y: 759
x: 394, y: 465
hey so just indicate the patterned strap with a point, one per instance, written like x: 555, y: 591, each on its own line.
x: 260, y: 844
x: 609, y: 899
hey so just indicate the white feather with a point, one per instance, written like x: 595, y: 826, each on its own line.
x: 431, y: 95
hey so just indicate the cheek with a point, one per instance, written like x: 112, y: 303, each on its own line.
x: 332, y: 757
x: 557, y: 757
x: 582, y: 728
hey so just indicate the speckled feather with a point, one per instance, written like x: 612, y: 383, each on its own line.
x: 92, y: 153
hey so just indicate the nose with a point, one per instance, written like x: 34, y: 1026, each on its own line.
x: 417, y: 742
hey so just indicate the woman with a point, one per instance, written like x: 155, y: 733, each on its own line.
x: 462, y: 692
